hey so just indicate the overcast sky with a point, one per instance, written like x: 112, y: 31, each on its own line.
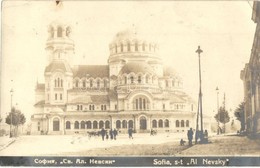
x: 224, y: 30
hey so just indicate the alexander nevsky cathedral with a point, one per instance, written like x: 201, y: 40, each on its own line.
x: 133, y: 91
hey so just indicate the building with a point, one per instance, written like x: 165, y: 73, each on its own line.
x: 251, y: 79
x: 133, y: 91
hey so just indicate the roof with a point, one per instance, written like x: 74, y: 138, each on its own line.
x: 97, y: 99
x: 40, y: 86
x: 136, y: 67
x: 169, y: 71
x: 91, y: 71
x: 58, y: 65
x: 40, y: 103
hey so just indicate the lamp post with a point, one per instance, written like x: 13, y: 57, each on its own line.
x: 11, y: 116
x: 199, y: 114
x: 217, y: 90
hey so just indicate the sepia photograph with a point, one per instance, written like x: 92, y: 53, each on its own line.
x: 130, y: 83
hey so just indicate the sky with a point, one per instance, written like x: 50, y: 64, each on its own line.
x: 223, y: 29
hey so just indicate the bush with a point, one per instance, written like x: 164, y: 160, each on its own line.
x: 2, y: 132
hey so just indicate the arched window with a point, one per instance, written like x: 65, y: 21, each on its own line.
x: 166, y: 83
x: 67, y: 125
x: 84, y: 84
x: 61, y: 83
x: 56, y: 124
x: 130, y: 124
x: 187, y: 123
x: 95, y: 124
x: 93, y: 107
x: 154, y: 124
x: 98, y: 83
x: 124, y: 124
x: 55, y: 82
x: 118, y: 124
x: 160, y: 123
x: 182, y: 123
x: 136, y: 46
x: 101, y: 124
x: 143, y: 46
x: 88, y: 124
x: 91, y: 83
x: 58, y: 82
x: 68, y: 30
x: 177, y: 124
x: 122, y: 47
x: 146, y: 79
x: 77, y: 83
x: 105, y: 83
x: 132, y: 79
x: 173, y: 83
x: 107, y: 125
x: 139, y: 79
x: 141, y: 103
x: 90, y: 107
x: 82, y: 125
x: 76, y: 125
x: 59, y: 32
x: 166, y: 123
x: 125, y: 80
x: 128, y: 47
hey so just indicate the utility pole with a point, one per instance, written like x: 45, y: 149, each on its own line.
x: 218, y: 109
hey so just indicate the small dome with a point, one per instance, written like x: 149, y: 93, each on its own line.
x: 169, y: 71
x: 136, y: 67
x: 133, y: 34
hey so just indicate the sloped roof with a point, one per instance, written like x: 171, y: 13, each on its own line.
x: 91, y: 71
x: 97, y: 99
x: 40, y: 103
x: 176, y: 99
x: 136, y: 67
x: 58, y: 65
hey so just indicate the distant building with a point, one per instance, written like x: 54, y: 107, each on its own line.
x: 133, y: 91
x: 251, y: 79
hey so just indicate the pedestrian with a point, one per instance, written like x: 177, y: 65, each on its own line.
x: 107, y: 137
x: 206, y: 136
x: 103, y: 133
x: 130, y: 133
x: 115, y: 134
x: 190, y: 136
x: 111, y: 134
x: 182, y: 142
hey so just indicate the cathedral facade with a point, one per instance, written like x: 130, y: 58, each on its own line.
x: 133, y: 91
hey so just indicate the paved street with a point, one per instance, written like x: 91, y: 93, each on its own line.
x: 142, y: 144
x: 75, y: 144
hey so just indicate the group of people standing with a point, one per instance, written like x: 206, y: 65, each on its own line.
x: 203, y: 137
x: 113, y: 134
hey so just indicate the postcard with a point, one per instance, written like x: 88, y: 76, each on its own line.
x: 130, y: 83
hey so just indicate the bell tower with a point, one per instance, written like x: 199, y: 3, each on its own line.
x: 59, y: 45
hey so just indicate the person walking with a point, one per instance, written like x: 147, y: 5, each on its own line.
x: 130, y: 133
x: 111, y: 134
x: 115, y: 133
x: 190, y: 136
x: 103, y: 133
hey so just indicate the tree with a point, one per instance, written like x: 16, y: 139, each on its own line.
x: 240, y: 115
x: 223, y: 117
x: 15, y: 118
